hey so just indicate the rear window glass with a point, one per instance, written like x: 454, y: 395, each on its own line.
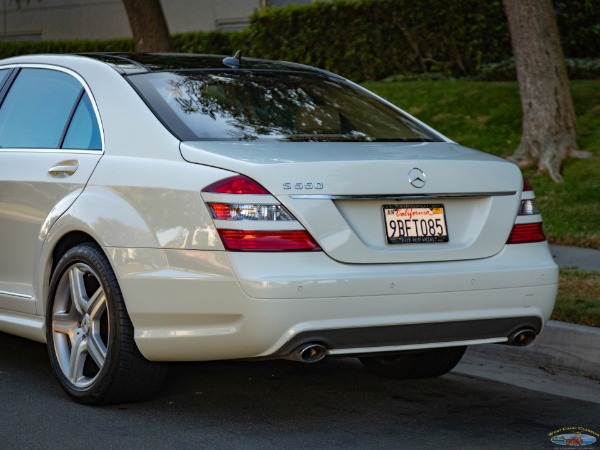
x: 246, y: 105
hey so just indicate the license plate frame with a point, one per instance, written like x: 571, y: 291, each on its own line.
x: 415, y: 223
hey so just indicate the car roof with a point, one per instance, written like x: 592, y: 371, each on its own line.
x: 132, y: 63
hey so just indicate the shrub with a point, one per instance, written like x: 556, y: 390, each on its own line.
x: 25, y: 48
x: 375, y: 38
x: 372, y: 39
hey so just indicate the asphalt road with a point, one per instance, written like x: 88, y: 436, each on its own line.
x: 280, y: 404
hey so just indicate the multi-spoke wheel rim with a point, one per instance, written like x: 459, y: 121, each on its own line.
x: 80, y: 325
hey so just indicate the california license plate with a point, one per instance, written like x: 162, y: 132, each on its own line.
x: 415, y: 224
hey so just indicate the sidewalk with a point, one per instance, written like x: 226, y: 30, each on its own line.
x: 581, y: 258
x: 561, y: 345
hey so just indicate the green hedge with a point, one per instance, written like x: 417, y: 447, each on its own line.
x: 25, y: 48
x: 579, y: 25
x: 212, y: 42
x: 200, y: 42
x: 373, y: 39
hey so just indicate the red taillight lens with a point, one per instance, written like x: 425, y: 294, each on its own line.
x: 526, y: 232
x: 267, y: 241
x: 526, y: 185
x: 238, y: 184
x: 220, y: 211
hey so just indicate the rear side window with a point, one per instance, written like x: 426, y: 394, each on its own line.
x: 47, y: 109
x: 3, y: 73
x: 83, y: 130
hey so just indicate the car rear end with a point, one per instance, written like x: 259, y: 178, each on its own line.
x: 335, y: 236
x: 351, y: 289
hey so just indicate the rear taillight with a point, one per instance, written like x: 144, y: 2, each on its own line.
x: 249, y: 211
x: 237, y: 184
x: 247, y: 217
x: 528, y: 207
x: 524, y: 232
x: 267, y: 241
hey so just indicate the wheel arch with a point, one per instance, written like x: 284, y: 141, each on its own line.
x: 51, y: 254
x: 67, y: 242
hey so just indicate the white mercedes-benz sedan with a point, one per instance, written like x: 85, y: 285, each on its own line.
x: 163, y: 207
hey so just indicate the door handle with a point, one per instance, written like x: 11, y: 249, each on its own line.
x: 64, y: 169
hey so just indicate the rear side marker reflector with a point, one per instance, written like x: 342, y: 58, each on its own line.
x: 267, y: 241
x: 526, y: 232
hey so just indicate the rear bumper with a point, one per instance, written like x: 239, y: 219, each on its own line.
x: 196, y: 305
x: 362, y: 340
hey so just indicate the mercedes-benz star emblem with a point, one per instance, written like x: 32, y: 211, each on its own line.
x: 417, y: 177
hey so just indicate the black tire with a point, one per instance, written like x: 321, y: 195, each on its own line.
x: 90, y: 336
x: 414, y: 364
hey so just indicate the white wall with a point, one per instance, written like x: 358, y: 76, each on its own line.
x: 105, y: 19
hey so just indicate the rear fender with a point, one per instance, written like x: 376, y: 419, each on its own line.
x: 103, y: 215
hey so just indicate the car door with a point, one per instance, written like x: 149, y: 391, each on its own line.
x: 50, y: 143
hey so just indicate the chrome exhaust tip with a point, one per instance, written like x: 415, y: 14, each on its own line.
x: 309, y: 353
x: 522, y: 337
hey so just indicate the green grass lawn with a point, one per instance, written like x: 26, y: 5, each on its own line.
x: 487, y: 116
x: 578, y: 297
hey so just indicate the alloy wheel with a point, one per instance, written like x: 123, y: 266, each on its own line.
x: 80, y: 325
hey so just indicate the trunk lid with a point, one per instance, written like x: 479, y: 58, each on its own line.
x: 338, y: 192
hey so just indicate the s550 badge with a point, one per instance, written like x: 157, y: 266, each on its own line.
x: 303, y: 185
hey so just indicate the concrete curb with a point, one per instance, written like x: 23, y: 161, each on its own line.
x: 561, y: 345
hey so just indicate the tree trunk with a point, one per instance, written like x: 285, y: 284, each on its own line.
x: 148, y: 25
x: 549, y: 123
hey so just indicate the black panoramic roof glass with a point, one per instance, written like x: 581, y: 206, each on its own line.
x: 154, y: 62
